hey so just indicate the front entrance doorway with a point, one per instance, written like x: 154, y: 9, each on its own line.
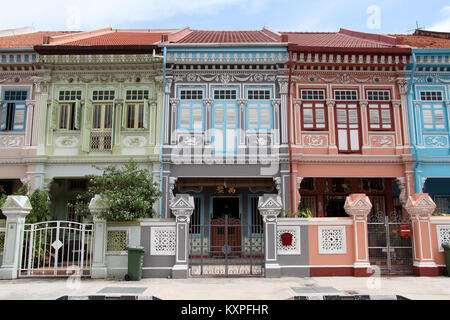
x: 390, y: 240
x: 226, y: 244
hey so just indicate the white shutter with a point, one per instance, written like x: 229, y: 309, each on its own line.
x: 185, y: 115
x: 252, y: 118
x: 427, y: 118
x: 341, y: 116
x: 386, y: 118
x: 197, y: 118
x: 308, y: 117
x: 354, y: 140
x: 352, y: 116
x: 342, y: 140
x: 265, y: 118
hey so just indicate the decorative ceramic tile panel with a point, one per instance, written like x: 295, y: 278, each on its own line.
x: 117, y: 241
x: 256, y: 245
x: 163, y: 241
x: 443, y: 233
x: 294, y: 247
x: 332, y: 240
x: 196, y: 245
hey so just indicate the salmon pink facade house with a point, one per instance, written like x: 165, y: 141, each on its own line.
x: 349, y: 128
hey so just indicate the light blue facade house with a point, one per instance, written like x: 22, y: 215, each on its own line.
x: 429, y: 122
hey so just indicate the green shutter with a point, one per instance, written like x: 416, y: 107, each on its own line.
x: 124, y: 116
x: 54, y: 123
x: 113, y: 124
x: 86, y: 128
x: 146, y: 114
x: 77, y: 115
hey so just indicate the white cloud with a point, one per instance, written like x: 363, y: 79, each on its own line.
x: 443, y: 25
x: 51, y: 15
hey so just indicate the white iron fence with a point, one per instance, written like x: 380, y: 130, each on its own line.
x: 56, y: 249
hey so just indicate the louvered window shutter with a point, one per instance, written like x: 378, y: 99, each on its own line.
x: 145, y: 113
x: 77, y: 115
x: 3, y: 109
x: 20, y: 114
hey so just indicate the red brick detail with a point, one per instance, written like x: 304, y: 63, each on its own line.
x: 426, y: 271
x: 331, y: 271
x: 362, y: 272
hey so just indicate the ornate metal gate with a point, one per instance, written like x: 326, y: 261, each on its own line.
x: 226, y: 247
x: 390, y: 246
x: 56, y: 249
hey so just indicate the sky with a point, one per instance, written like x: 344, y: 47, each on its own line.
x: 375, y: 16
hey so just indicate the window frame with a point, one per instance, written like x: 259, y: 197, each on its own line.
x: 374, y: 104
x: 137, y: 113
x: 432, y: 105
x: 345, y: 100
x: 259, y: 107
x: 314, y: 107
x: 191, y: 109
x: 348, y: 123
x: 9, y: 124
x: 70, y: 119
x: 71, y: 97
x: 431, y: 93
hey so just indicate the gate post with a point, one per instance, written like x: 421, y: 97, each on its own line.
x: 358, y: 206
x: 420, y: 206
x: 16, y: 208
x: 98, y: 267
x: 182, y: 207
x: 270, y: 206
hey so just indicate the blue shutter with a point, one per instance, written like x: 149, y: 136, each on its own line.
x: 20, y: 115
x: 3, y: 109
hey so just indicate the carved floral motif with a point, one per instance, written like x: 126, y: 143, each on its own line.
x: 436, y: 141
x: 11, y: 141
x: 315, y: 141
x: 382, y: 141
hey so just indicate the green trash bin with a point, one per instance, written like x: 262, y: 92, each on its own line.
x: 135, y: 261
x: 446, y: 247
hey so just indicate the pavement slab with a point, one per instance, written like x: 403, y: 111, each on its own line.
x: 422, y: 288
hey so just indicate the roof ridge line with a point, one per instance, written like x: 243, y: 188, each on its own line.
x: 57, y: 40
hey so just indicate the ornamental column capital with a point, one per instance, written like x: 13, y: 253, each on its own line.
x: 242, y: 102
x: 208, y: 102
x: 283, y: 84
x: 402, y: 85
x: 364, y: 103
x: 330, y: 103
x: 396, y: 103
x: 276, y: 102
x: 297, y: 102
x: 174, y: 102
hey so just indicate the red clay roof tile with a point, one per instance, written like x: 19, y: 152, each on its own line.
x: 117, y: 38
x: 204, y: 36
x: 28, y: 39
x: 333, y: 39
x: 423, y: 42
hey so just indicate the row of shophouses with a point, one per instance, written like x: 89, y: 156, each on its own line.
x: 230, y: 116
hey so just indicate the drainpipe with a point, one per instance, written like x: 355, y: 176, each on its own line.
x: 163, y: 125
x: 291, y: 171
x: 413, y: 109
